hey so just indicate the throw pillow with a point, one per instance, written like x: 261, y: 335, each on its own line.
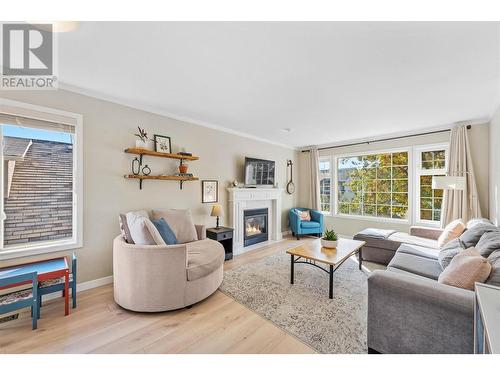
x: 451, y: 231
x: 125, y: 229
x: 142, y: 230
x: 488, y: 243
x: 165, y: 231
x: 305, y: 215
x: 448, y: 251
x: 465, y: 269
x: 477, y: 220
x: 494, y: 260
x: 472, y: 235
x: 181, y: 223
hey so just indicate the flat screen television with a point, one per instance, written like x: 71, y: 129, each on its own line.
x: 259, y: 172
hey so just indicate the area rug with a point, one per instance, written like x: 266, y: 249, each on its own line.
x: 303, y: 309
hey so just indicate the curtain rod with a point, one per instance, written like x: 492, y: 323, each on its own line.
x: 384, y: 139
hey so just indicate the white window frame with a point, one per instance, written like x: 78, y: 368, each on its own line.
x: 375, y: 218
x: 427, y: 172
x: 76, y: 241
x: 331, y: 176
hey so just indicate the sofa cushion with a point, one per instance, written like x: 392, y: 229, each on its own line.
x: 420, y: 251
x: 309, y: 224
x: 181, y: 223
x: 494, y: 259
x: 471, y: 236
x: 165, y: 231
x: 448, y: 251
x: 204, y: 257
x: 465, y: 269
x: 488, y: 243
x: 451, y: 231
x: 142, y: 230
x: 417, y: 265
x: 381, y: 234
x: 475, y: 221
x: 413, y: 240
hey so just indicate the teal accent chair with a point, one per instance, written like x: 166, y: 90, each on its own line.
x: 299, y: 227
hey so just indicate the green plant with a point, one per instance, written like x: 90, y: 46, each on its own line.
x: 330, y: 235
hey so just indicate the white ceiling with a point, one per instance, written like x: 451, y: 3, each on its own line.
x: 328, y: 82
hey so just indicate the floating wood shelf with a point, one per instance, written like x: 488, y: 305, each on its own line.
x: 143, y: 151
x: 181, y: 179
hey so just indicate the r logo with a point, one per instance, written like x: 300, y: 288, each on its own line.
x: 27, y: 50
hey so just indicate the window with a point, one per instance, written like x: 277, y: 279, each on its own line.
x: 373, y: 185
x: 41, y: 204
x: 325, y: 178
x: 430, y: 161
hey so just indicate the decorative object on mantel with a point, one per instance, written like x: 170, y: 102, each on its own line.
x: 209, y: 191
x: 235, y: 183
x: 290, y: 187
x: 329, y: 239
x: 217, y: 212
x: 162, y: 144
x: 141, y: 152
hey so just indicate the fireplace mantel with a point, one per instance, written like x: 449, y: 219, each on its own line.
x: 241, y: 199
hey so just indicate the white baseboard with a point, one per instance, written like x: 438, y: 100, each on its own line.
x: 83, y: 286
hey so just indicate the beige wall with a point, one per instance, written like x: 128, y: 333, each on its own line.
x: 108, y: 130
x: 478, y: 136
x: 495, y: 167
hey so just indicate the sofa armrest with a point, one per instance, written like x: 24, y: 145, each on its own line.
x: 426, y: 232
x: 412, y: 314
x: 201, y: 231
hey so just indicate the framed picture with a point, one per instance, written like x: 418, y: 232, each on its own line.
x: 209, y: 191
x: 162, y: 144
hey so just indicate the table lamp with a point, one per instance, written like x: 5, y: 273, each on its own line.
x: 217, y: 211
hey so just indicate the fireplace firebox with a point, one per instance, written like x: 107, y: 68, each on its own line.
x: 255, y: 226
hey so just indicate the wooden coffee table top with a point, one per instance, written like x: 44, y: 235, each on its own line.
x: 314, y: 251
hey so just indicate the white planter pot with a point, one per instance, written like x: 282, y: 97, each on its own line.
x: 328, y: 244
x: 148, y: 145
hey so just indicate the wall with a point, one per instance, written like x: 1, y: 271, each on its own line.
x: 495, y: 167
x: 108, y: 130
x: 478, y: 136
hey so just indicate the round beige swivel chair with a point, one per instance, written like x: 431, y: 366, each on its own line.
x: 151, y: 278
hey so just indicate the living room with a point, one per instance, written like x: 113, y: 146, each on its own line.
x: 264, y: 187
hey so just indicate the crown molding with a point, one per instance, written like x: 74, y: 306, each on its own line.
x: 161, y: 112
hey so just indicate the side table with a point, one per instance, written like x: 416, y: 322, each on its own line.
x: 224, y: 236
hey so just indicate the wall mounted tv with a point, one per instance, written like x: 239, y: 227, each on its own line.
x: 259, y: 172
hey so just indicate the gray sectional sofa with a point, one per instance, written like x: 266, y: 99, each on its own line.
x: 408, y: 310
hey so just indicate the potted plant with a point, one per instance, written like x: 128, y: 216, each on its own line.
x: 329, y: 239
x: 143, y: 141
x: 183, y: 166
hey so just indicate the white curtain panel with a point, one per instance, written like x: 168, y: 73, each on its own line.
x: 460, y: 204
x: 314, y: 182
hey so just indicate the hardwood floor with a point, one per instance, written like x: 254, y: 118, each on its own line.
x: 217, y: 325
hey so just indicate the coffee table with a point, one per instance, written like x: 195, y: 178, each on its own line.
x: 312, y: 252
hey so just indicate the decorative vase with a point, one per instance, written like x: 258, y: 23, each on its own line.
x: 328, y: 244
x: 147, y: 144
x: 183, y: 168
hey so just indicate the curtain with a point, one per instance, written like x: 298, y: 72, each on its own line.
x: 314, y: 182
x: 460, y: 204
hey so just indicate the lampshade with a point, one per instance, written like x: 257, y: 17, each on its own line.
x: 448, y: 182
x: 217, y: 210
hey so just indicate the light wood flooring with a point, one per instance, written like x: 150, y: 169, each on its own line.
x: 98, y: 325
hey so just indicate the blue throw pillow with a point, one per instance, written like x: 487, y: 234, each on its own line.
x: 165, y: 231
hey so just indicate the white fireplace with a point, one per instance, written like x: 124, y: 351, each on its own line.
x: 244, y: 199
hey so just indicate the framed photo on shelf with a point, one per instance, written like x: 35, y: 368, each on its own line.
x: 209, y: 191
x: 162, y: 144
